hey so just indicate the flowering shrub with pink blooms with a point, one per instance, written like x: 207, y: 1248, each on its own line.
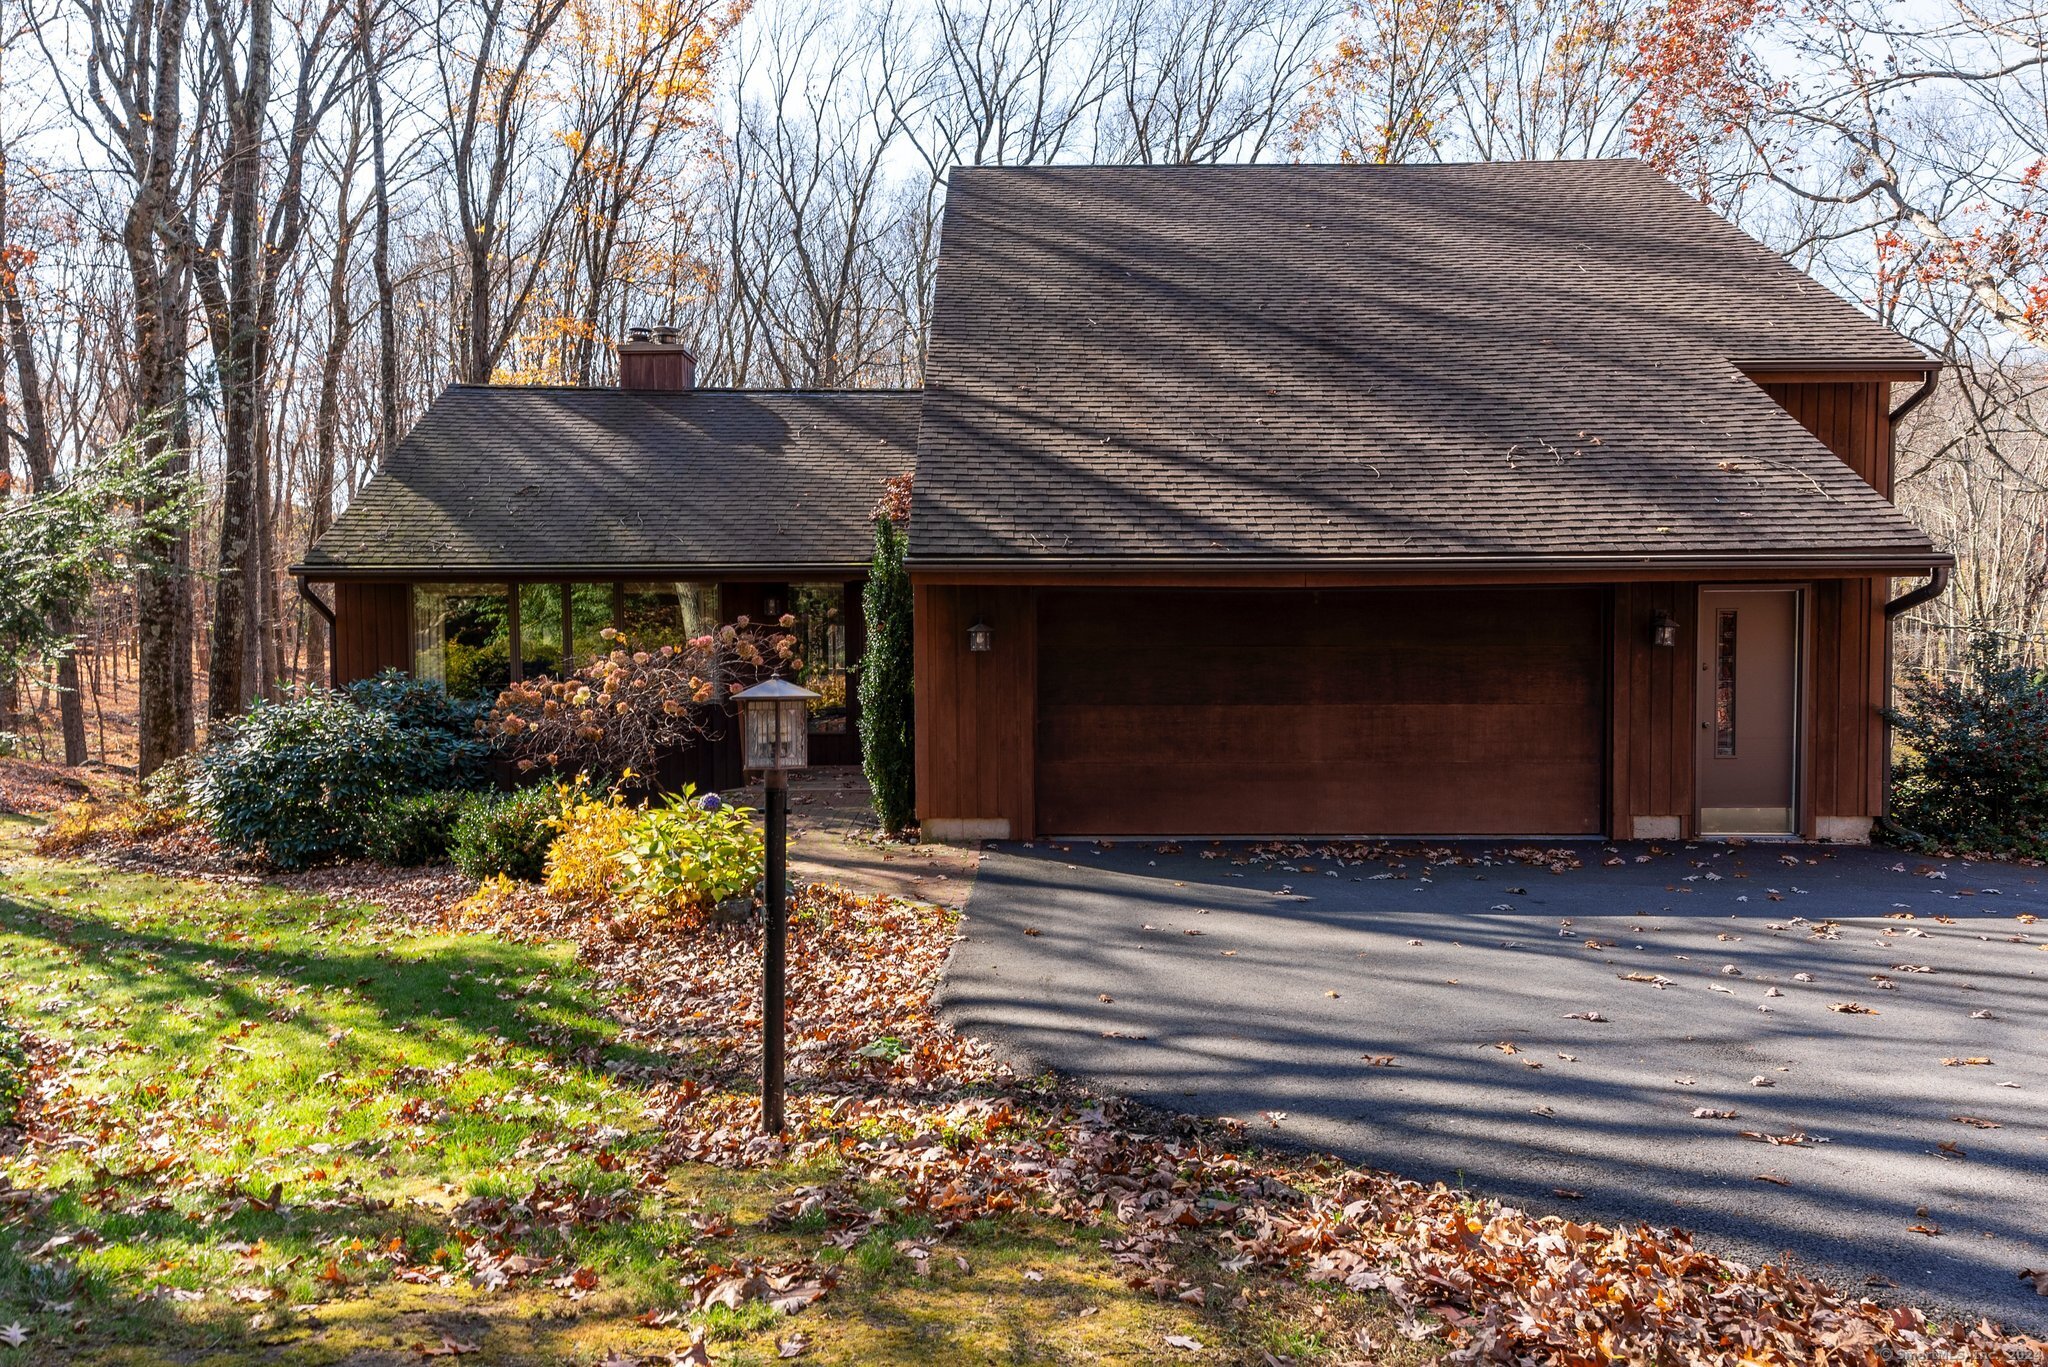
x: 615, y: 715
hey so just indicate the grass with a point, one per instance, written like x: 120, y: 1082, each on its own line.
x: 283, y: 1118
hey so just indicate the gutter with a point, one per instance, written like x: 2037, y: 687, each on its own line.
x: 1858, y: 562
x: 306, y: 592
x: 767, y: 571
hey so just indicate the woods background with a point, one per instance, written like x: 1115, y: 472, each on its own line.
x: 260, y: 237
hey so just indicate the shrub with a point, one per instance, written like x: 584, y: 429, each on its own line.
x: 506, y: 835
x: 414, y: 829
x: 679, y: 859
x: 1972, y: 772
x: 293, y: 781
x: 887, y: 748
x: 298, y: 782
x: 686, y: 856
x: 584, y: 862
x: 620, y: 711
x: 446, y: 749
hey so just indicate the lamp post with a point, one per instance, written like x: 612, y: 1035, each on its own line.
x: 775, y: 733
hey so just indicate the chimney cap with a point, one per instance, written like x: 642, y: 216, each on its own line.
x: 663, y: 335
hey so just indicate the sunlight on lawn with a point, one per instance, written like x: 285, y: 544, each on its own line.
x: 282, y: 1119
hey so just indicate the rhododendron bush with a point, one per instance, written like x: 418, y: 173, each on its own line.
x: 617, y: 714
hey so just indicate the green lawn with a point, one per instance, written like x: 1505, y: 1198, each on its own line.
x: 290, y: 1130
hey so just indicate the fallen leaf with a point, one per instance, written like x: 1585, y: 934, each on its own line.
x: 13, y: 1335
x: 1976, y: 1120
x: 1566, y: 1193
x: 1977, y: 1062
x: 1709, y: 1113
x: 446, y: 1348
x: 1852, y: 1009
x: 1182, y: 1341
x: 1772, y: 1178
x: 794, y: 1346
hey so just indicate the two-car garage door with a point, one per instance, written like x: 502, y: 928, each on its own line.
x: 1351, y: 712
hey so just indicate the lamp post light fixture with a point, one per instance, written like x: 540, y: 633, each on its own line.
x: 981, y: 637
x: 775, y: 731
x: 1664, y: 630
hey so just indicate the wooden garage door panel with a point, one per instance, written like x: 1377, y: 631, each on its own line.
x: 1356, y: 712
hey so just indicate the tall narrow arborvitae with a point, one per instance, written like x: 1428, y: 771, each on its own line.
x: 887, y: 748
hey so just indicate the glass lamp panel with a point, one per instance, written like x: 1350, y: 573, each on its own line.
x: 776, y: 734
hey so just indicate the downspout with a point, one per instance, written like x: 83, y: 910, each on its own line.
x: 306, y: 592
x: 1914, y: 400
x: 1936, y: 585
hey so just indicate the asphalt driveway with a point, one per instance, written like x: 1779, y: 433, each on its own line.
x: 1547, y: 1037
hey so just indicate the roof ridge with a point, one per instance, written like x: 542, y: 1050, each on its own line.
x: 473, y: 386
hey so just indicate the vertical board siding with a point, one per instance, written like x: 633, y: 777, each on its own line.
x: 372, y: 630
x: 1845, y: 766
x: 976, y: 717
x: 1651, y: 725
x: 1846, y: 697
x: 1851, y: 418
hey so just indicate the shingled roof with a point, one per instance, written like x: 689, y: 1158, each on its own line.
x: 1440, y: 365
x: 501, y: 480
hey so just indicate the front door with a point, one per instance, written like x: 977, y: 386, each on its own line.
x: 1748, y: 711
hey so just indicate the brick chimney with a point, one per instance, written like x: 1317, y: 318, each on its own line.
x: 656, y: 359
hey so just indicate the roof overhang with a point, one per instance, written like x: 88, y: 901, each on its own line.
x: 523, y: 574
x: 1820, y: 370
x: 1473, y: 570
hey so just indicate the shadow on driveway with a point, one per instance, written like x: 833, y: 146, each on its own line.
x: 1424, y: 1012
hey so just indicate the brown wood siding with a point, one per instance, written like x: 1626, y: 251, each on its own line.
x: 1650, y: 723
x: 372, y: 630
x: 1851, y: 418
x: 1345, y: 712
x: 1845, y: 696
x: 975, y: 712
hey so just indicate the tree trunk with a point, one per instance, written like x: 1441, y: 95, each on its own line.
x: 41, y: 459
x: 380, y: 256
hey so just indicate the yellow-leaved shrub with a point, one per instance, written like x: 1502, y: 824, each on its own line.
x: 583, y: 863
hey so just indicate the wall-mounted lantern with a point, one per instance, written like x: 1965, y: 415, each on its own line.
x: 981, y: 637
x: 774, y: 732
x: 1664, y: 630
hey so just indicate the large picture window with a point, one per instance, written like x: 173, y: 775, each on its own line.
x: 668, y: 614
x: 462, y: 637
x: 540, y: 630
x: 820, y: 611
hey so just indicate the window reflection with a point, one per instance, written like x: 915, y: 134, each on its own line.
x: 1724, y: 684
x: 820, y: 611
x: 667, y: 614
x: 462, y: 637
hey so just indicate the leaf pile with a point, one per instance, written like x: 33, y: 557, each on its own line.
x: 939, y: 1120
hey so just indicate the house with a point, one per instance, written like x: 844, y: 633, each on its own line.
x: 1522, y: 499
x: 516, y: 523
